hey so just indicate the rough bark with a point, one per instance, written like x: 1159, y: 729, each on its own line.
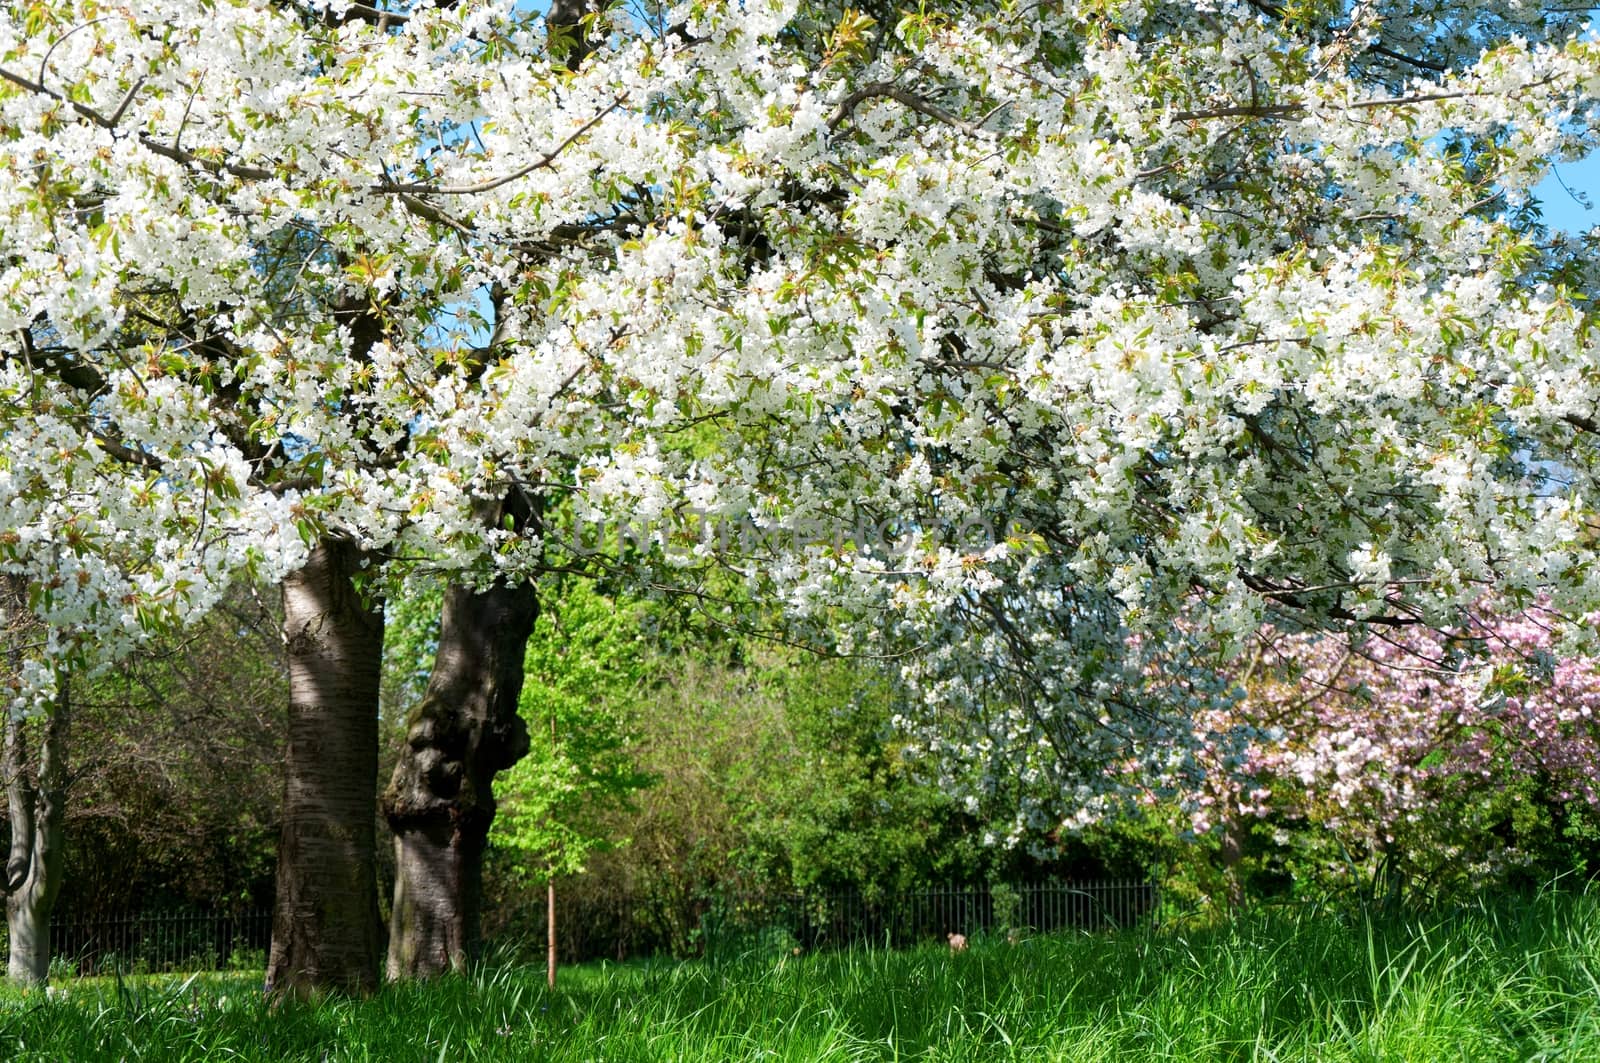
x: 326, y: 930
x: 440, y: 800
x: 38, y: 811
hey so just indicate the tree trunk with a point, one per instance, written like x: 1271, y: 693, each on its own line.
x: 440, y: 800
x: 38, y: 844
x: 326, y: 930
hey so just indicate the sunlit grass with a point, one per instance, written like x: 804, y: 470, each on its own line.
x: 1516, y: 980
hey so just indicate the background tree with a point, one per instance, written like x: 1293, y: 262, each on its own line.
x: 585, y: 671
x: 172, y: 796
x: 36, y: 801
x: 1414, y: 768
x: 770, y: 772
x: 177, y: 792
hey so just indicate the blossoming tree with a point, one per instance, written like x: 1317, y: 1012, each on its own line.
x: 35, y: 791
x: 1005, y: 330
x: 1408, y: 755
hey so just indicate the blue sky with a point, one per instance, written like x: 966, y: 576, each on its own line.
x: 1561, y: 208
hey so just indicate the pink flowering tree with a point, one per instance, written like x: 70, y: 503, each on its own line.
x: 1417, y: 764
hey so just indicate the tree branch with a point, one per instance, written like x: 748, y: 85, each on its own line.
x: 258, y: 173
x: 423, y: 188
x: 1288, y: 110
x: 888, y: 89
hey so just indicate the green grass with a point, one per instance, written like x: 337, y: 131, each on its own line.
x: 1516, y: 980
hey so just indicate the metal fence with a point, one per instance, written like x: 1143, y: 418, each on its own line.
x: 157, y: 942
x: 904, y: 918
x: 154, y: 942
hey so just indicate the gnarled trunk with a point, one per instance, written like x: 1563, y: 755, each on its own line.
x: 38, y: 812
x: 440, y: 800
x: 326, y: 930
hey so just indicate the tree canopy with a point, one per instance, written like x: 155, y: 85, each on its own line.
x: 986, y: 336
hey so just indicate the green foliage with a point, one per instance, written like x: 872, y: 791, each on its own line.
x: 176, y: 761
x: 247, y: 960
x: 712, y: 744
x: 1510, y: 981
x: 770, y: 770
x: 410, y: 640
x: 585, y: 668
x: 851, y: 811
x: 1277, y: 859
